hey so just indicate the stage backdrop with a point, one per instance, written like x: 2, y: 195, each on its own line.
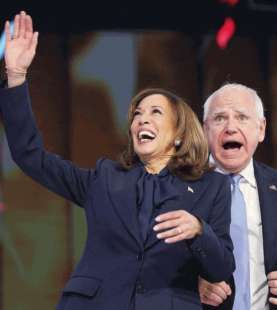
x: 81, y: 86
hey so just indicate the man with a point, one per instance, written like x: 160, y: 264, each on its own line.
x: 234, y: 124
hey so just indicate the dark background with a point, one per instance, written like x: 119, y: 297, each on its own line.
x: 193, y: 17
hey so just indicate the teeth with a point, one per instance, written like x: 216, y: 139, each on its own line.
x: 146, y: 134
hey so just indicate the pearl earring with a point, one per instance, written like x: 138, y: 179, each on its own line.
x: 177, y: 142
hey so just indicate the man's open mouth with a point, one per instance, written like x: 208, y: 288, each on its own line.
x: 231, y: 145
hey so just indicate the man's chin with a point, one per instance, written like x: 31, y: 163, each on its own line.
x: 232, y: 165
x: 235, y: 153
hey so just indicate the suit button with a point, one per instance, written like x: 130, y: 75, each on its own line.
x: 140, y: 257
x: 139, y: 288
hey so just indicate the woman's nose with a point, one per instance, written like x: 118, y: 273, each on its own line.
x: 144, y: 119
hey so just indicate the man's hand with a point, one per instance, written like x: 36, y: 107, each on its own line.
x: 272, y: 283
x: 176, y: 226
x: 213, y: 293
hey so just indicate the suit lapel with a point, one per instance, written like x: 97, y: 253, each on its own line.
x: 122, y: 191
x: 267, y: 189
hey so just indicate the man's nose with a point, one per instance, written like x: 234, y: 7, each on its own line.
x: 231, y: 126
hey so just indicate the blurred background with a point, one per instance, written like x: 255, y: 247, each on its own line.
x: 91, y: 60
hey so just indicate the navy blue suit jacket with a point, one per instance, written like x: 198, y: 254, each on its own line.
x: 116, y: 265
x: 266, y: 178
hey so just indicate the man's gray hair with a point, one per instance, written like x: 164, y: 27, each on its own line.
x: 257, y: 100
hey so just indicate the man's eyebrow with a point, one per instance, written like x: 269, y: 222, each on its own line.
x: 244, y: 111
x: 241, y: 111
x: 219, y: 113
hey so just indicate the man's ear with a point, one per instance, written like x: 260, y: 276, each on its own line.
x: 262, y: 128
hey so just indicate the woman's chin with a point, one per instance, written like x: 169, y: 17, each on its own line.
x: 146, y: 156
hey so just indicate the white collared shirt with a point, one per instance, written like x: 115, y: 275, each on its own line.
x: 258, y: 280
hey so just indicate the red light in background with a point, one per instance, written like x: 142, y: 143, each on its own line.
x: 230, y: 2
x: 225, y: 33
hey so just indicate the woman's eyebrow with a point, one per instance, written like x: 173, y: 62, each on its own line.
x: 157, y: 106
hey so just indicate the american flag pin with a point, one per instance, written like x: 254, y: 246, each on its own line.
x: 192, y: 191
x: 273, y: 187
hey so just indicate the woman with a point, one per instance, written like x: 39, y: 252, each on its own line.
x: 156, y: 220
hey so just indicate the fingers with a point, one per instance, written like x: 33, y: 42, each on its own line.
x: 29, y: 24
x: 167, y: 224
x: 170, y: 215
x: 23, y: 28
x: 211, y: 302
x: 177, y: 226
x: 29, y: 35
x: 172, y: 230
x: 273, y: 300
x: 33, y: 43
x: 22, y: 24
x: 206, y: 294
x: 212, y: 299
x: 177, y: 233
x: 8, y: 31
x: 272, y: 275
x: 175, y: 238
x: 222, y: 289
x: 170, y: 222
x: 213, y: 293
x: 272, y: 283
x: 226, y: 287
x: 273, y: 286
x: 16, y: 27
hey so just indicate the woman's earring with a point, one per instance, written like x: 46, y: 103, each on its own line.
x: 177, y: 142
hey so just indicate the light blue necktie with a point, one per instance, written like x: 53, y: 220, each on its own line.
x: 239, y: 235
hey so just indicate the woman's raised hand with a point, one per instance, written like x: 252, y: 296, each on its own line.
x: 20, y: 48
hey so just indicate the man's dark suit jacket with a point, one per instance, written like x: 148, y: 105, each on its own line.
x: 266, y: 178
x: 117, y: 268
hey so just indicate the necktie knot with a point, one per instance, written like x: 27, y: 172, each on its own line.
x: 235, y: 179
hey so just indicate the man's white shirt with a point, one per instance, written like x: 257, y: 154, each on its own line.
x: 258, y: 280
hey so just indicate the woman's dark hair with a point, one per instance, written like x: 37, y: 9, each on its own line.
x: 190, y: 160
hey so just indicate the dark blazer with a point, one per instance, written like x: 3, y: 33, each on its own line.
x: 266, y: 178
x: 116, y: 265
